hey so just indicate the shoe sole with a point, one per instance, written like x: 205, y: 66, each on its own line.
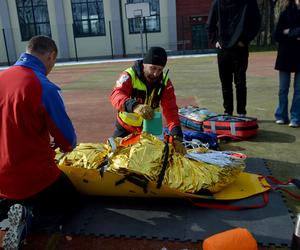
x: 281, y: 123
x: 12, y: 237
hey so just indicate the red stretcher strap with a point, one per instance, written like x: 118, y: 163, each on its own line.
x: 295, y: 196
x: 278, y: 182
x: 231, y: 207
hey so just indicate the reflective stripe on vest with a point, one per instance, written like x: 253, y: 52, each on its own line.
x: 134, y: 119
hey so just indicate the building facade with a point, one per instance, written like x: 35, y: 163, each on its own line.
x: 100, y: 28
x: 191, y: 18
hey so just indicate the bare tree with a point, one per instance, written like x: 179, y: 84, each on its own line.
x: 270, y: 10
x: 272, y: 19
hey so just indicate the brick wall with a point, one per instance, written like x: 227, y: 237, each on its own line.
x: 190, y: 13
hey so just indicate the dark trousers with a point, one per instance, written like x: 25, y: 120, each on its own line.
x: 60, y: 198
x: 233, y: 65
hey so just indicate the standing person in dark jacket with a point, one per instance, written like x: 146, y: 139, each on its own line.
x: 287, y: 34
x: 232, y: 25
x: 140, y: 90
x: 32, y: 110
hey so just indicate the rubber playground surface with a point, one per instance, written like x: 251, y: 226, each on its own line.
x: 86, y: 91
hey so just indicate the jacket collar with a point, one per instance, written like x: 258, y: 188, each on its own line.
x: 30, y: 61
x: 138, y: 68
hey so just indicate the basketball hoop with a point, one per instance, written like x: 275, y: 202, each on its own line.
x: 134, y: 10
x: 139, y: 11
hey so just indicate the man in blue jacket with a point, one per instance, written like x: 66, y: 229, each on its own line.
x: 32, y: 113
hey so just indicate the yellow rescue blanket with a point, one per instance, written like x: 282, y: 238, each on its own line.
x: 133, y: 170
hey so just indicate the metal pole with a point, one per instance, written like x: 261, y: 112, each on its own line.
x: 183, y: 42
x: 145, y: 31
x: 111, y: 43
x: 141, y: 32
x: 122, y: 29
x: 3, y: 31
x: 74, y: 39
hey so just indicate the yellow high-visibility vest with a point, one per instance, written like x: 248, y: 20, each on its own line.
x: 134, y: 119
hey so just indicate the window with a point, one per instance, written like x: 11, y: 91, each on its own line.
x: 151, y: 24
x: 33, y: 18
x: 88, y: 18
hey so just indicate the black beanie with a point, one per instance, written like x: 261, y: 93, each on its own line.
x: 156, y: 56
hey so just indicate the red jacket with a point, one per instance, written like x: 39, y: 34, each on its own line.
x: 123, y: 99
x: 31, y: 109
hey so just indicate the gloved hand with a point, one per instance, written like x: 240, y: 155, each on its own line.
x: 144, y: 111
x: 179, y: 147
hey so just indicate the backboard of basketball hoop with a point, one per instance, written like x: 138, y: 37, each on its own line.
x: 134, y: 10
x: 138, y: 13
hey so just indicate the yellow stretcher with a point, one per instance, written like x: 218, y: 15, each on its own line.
x: 96, y: 183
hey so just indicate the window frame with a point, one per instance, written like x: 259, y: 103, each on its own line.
x: 30, y: 29
x: 88, y: 20
x: 131, y: 21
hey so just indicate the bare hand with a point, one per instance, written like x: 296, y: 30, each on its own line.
x: 53, y: 145
x: 286, y: 31
x: 218, y: 45
x: 144, y: 111
x: 240, y: 44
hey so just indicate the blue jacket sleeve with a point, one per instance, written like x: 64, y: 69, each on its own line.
x: 59, y: 124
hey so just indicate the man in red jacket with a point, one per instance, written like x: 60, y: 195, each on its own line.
x: 142, y: 89
x: 32, y: 110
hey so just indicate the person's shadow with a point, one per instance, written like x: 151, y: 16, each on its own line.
x: 273, y: 136
x: 264, y: 135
